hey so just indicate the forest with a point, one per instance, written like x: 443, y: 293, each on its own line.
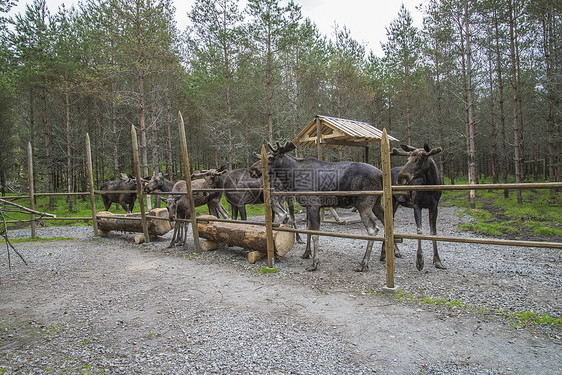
x: 481, y: 79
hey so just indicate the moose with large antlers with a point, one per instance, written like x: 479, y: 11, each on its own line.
x: 318, y: 175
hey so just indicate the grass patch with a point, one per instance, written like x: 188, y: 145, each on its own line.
x: 540, y: 214
x: 517, y: 318
x: 530, y: 318
x: 264, y: 270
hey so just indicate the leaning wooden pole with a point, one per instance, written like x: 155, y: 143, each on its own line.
x: 31, y: 187
x: 91, y: 183
x: 267, y: 207
x: 187, y: 172
x: 140, y: 196
x: 388, y: 211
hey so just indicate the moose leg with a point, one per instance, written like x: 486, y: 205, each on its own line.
x: 291, y: 204
x: 174, y: 236
x: 307, y: 251
x: 369, y: 220
x: 433, y: 230
x: 243, y: 214
x: 379, y: 213
x: 419, y: 254
x: 185, y: 231
x: 222, y: 211
x: 314, y: 220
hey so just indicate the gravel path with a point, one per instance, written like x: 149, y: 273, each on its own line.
x: 91, y: 305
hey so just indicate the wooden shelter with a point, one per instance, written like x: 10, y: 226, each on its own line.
x: 338, y: 132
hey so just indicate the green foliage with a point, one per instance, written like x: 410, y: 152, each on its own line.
x: 265, y: 270
x: 540, y: 214
x: 526, y: 318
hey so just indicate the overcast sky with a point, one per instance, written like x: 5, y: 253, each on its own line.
x: 366, y: 19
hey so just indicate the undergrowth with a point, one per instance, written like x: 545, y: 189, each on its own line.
x: 540, y: 214
x: 516, y: 318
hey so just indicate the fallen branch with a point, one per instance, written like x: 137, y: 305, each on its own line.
x: 28, y: 210
x: 9, y: 246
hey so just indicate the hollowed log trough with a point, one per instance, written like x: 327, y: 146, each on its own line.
x: 248, y: 236
x: 108, y: 222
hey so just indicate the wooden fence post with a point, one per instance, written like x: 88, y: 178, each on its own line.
x: 140, y: 196
x: 31, y: 188
x: 91, y: 183
x: 267, y: 207
x: 388, y: 212
x: 187, y: 172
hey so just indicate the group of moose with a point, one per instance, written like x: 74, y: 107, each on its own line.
x: 288, y: 173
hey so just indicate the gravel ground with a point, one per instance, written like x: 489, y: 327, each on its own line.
x: 95, y: 305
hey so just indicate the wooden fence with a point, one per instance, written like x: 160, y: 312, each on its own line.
x: 388, y: 190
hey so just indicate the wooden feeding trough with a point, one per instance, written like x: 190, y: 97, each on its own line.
x: 108, y: 222
x: 248, y: 236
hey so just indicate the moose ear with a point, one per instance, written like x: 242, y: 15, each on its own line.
x: 224, y: 168
x: 289, y: 146
x: 435, y: 151
x: 426, y: 147
x: 398, y: 152
x: 407, y: 148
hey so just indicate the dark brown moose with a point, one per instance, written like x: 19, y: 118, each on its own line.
x: 318, y: 175
x: 420, y: 169
x: 126, y: 200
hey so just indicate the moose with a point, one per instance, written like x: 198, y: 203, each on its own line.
x: 318, y: 175
x: 178, y: 205
x: 158, y: 182
x: 126, y: 200
x: 420, y: 169
x: 243, y: 179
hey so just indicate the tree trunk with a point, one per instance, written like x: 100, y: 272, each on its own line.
x: 493, y: 125
x: 67, y: 140
x: 439, y: 115
x: 469, y: 106
x: 516, y: 135
x: 114, y: 130
x: 504, y: 163
x: 47, y: 137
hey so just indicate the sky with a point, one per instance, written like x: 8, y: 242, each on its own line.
x: 366, y: 19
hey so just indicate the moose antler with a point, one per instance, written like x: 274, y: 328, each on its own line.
x: 287, y: 147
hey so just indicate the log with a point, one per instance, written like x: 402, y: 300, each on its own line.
x: 254, y: 256
x: 108, y: 221
x: 248, y: 236
x: 208, y: 245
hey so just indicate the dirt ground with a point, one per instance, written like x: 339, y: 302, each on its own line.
x: 94, y: 305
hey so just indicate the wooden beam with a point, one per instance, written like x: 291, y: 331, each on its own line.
x: 31, y: 187
x: 337, y: 142
x: 388, y: 217
x: 136, y: 168
x: 91, y: 184
x: 267, y: 207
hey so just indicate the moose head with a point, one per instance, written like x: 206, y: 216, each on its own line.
x: 418, y: 164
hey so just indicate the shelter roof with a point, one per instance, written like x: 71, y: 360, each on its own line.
x: 338, y: 132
